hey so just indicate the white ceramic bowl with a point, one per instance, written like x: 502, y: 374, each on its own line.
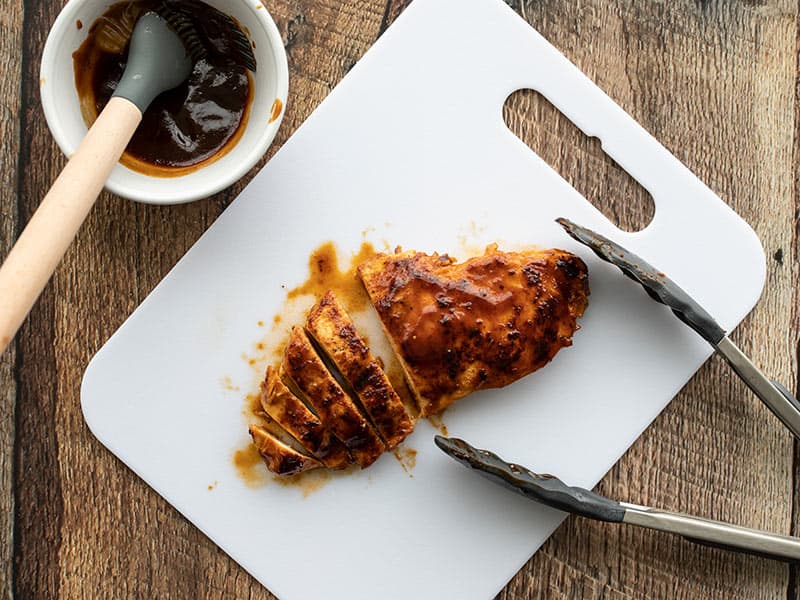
x: 61, y: 109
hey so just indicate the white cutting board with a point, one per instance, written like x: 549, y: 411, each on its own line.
x: 412, y: 143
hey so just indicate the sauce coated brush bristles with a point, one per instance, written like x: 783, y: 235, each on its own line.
x: 235, y: 44
x: 182, y: 24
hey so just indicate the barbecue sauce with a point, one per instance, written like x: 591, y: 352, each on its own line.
x: 185, y: 128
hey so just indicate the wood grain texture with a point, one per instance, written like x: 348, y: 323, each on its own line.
x: 781, y: 256
x: 11, y: 61
x: 715, y: 81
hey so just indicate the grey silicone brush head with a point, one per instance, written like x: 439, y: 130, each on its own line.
x: 157, y: 61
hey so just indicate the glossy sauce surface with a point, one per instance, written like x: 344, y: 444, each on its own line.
x: 184, y: 128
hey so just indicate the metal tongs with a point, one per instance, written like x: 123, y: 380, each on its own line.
x: 662, y: 289
x: 553, y: 492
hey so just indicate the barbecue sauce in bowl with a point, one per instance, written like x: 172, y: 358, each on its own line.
x: 185, y: 128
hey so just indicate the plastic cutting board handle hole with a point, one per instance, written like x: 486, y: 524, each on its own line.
x: 579, y: 159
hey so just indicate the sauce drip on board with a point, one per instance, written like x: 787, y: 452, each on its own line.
x: 249, y: 466
x: 324, y: 274
x: 185, y: 128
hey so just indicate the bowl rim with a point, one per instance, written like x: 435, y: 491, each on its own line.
x: 199, y: 190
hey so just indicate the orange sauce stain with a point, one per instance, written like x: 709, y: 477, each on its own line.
x: 276, y: 319
x: 227, y: 383
x: 325, y: 274
x: 438, y: 423
x: 410, y: 456
x: 261, y: 323
x: 277, y: 108
x: 211, y: 486
x: 471, y: 242
x: 407, y: 457
x: 249, y: 466
x: 308, y: 482
x: 254, y: 405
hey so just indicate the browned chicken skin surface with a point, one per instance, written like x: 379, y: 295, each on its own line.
x: 333, y: 406
x: 334, y: 331
x: 483, y: 323
x: 296, y: 418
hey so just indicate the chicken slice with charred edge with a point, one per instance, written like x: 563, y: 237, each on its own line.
x: 296, y: 418
x: 279, y: 457
x: 333, y: 406
x: 334, y: 331
x: 483, y: 323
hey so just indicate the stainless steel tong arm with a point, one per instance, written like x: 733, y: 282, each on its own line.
x: 714, y: 533
x: 774, y: 395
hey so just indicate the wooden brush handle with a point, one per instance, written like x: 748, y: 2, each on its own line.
x: 50, y: 231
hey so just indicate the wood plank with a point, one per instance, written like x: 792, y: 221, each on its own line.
x: 792, y: 257
x: 38, y: 482
x: 11, y: 57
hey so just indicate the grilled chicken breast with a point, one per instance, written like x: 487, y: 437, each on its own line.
x: 279, y: 457
x: 483, y: 323
x: 333, y: 406
x: 296, y: 418
x: 334, y: 331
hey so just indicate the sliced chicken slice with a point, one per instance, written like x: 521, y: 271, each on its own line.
x: 334, y: 331
x: 483, y: 323
x: 303, y: 425
x: 279, y: 457
x: 333, y: 406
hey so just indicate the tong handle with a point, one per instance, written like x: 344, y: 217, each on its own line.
x: 776, y: 397
x: 788, y: 395
x: 715, y: 533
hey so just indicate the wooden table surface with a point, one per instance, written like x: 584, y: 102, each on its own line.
x: 716, y: 81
